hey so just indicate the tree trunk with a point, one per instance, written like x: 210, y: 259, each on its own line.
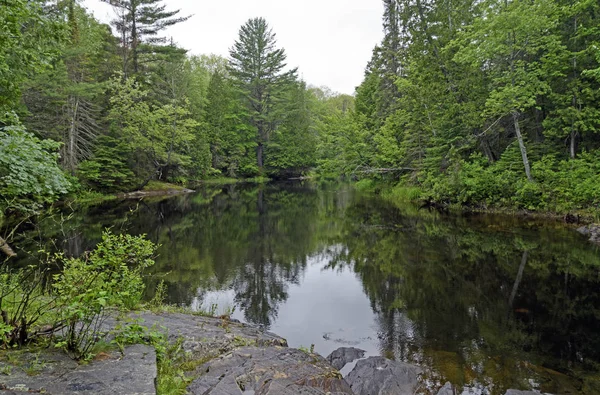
x: 259, y: 157
x: 573, y: 145
x: 134, y: 38
x: 515, y: 115
x: 5, y: 248
x: 487, y: 150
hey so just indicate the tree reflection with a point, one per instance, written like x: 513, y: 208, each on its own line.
x: 484, y: 298
x: 474, y: 299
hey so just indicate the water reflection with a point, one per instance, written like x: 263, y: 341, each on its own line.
x: 483, y: 301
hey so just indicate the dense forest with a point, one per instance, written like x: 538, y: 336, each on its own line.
x: 478, y: 103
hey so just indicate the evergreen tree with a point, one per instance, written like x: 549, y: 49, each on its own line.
x: 259, y: 70
x: 140, y: 23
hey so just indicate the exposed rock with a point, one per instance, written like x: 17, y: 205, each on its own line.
x: 204, y: 337
x: 344, y: 355
x: 593, y: 231
x: 517, y: 392
x: 270, y: 370
x: 447, y: 389
x: 132, y: 373
x: 381, y: 376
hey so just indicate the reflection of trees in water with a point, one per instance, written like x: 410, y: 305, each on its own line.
x: 260, y: 287
x: 464, y: 290
x: 473, y: 299
x: 277, y: 253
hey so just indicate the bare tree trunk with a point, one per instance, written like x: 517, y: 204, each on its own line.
x: 5, y: 248
x: 515, y: 115
x: 487, y: 150
x: 573, y: 145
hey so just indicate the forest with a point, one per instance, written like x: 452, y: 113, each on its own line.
x: 479, y: 104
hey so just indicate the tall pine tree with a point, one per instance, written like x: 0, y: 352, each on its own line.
x: 140, y: 23
x: 258, y: 67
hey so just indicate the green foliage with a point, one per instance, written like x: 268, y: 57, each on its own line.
x: 141, y: 22
x: 24, y: 304
x: 460, y: 97
x: 156, y: 137
x: 107, y: 170
x: 29, y: 173
x: 257, y: 68
x: 108, y: 277
x: 28, y: 38
x: 561, y: 185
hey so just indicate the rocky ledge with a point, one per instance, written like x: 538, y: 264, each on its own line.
x: 229, y: 358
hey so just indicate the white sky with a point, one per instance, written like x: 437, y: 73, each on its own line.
x: 330, y: 41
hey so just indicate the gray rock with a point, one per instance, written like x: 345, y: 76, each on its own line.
x: 447, y: 389
x: 593, y: 231
x: 131, y: 373
x: 584, y: 230
x: 518, y: 392
x: 268, y: 371
x: 381, y: 376
x: 344, y: 355
x: 204, y: 337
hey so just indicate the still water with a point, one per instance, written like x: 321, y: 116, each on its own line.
x: 486, y: 302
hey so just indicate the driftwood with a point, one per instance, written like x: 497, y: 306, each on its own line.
x: 384, y: 170
x: 5, y: 248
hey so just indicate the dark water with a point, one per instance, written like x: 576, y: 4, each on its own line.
x: 486, y: 302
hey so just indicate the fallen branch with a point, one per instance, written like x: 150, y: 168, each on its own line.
x: 385, y: 170
x: 5, y: 248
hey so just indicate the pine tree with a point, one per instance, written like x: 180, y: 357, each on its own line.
x: 139, y: 23
x: 258, y: 67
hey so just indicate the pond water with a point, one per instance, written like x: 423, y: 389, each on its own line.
x: 486, y: 302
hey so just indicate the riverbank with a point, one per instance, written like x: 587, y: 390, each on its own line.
x: 400, y: 194
x: 159, y: 188
x: 206, y: 355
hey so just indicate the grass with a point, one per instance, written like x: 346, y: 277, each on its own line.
x: 402, y: 193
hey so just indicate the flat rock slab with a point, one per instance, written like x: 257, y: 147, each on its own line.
x: 204, y: 337
x: 447, y: 389
x: 132, y: 373
x: 271, y: 370
x: 381, y: 376
x: 518, y: 392
x: 344, y: 355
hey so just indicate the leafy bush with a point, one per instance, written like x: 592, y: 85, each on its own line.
x: 23, y: 304
x: 108, y: 277
x: 559, y: 185
x: 29, y: 172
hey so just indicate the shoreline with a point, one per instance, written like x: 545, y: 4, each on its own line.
x: 209, y: 355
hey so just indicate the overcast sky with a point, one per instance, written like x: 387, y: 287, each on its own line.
x: 330, y: 41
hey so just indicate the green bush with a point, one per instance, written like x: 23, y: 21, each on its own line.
x: 23, y: 304
x: 558, y: 185
x: 29, y: 173
x: 108, y: 277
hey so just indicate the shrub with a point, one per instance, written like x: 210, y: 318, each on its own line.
x: 29, y: 173
x: 108, y: 277
x: 23, y: 304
